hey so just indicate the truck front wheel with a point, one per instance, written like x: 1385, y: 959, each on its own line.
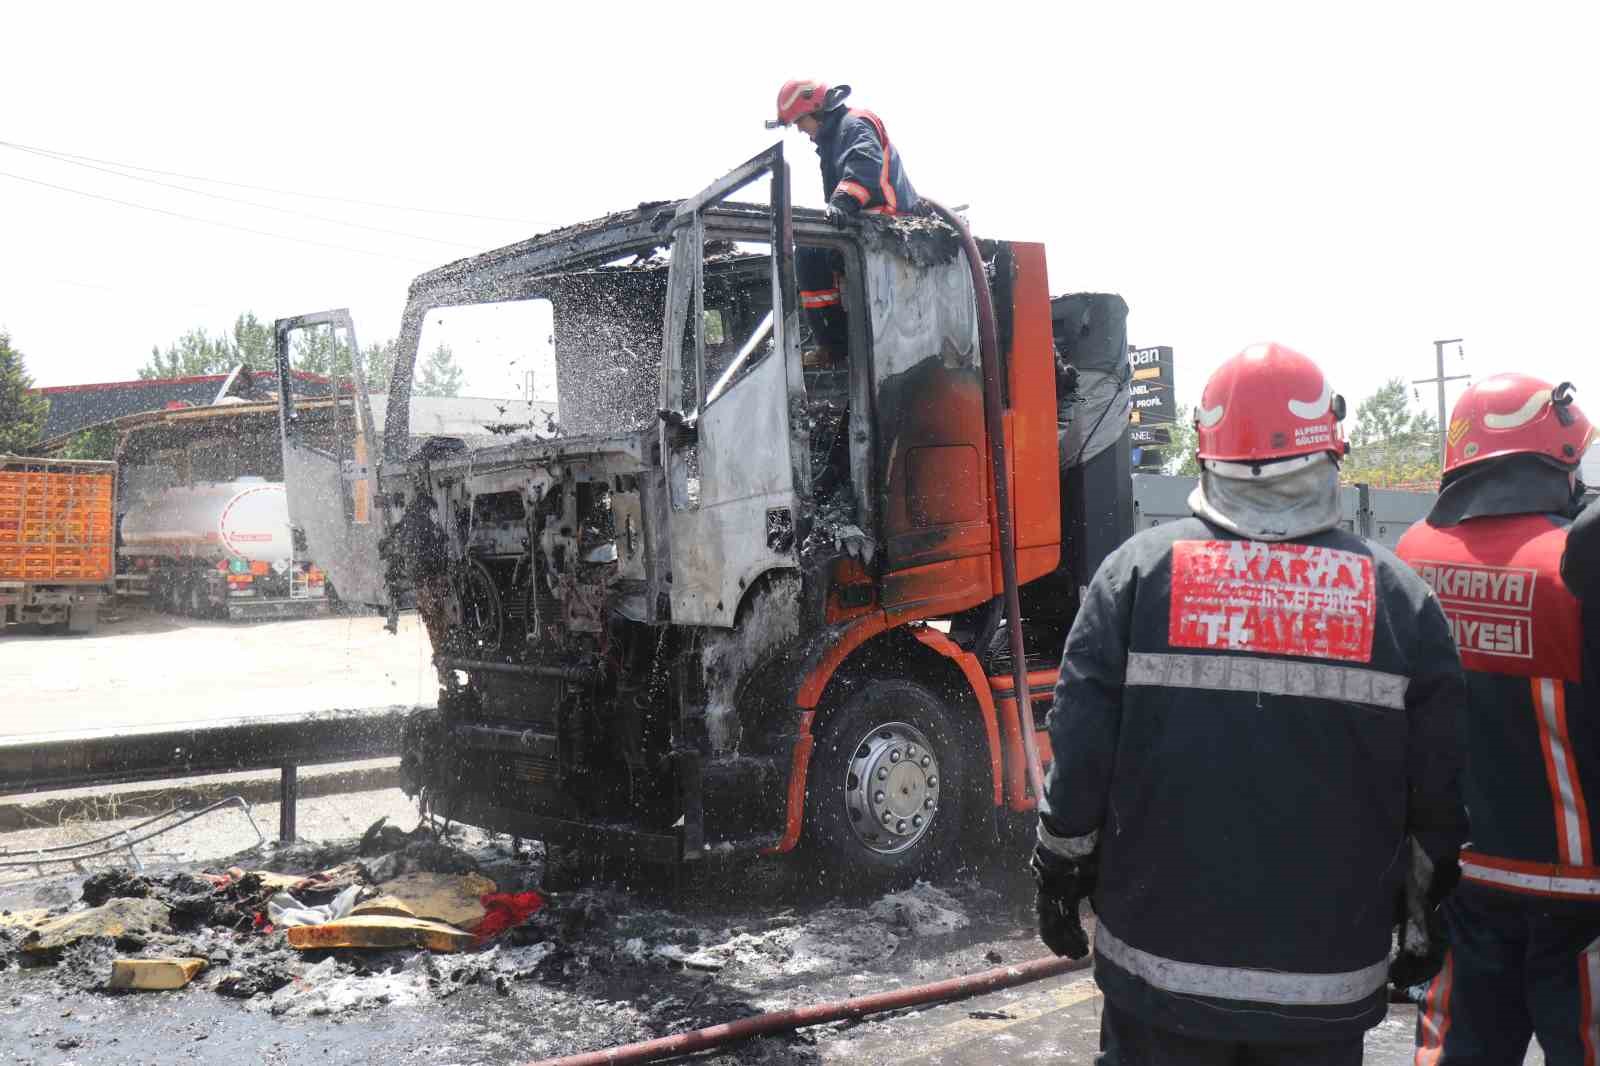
x: 883, y: 799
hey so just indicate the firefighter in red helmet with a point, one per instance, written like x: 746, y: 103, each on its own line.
x: 1256, y: 757
x: 861, y: 174
x: 861, y: 170
x: 1524, y: 926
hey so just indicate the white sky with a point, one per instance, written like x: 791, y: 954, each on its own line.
x: 1355, y: 179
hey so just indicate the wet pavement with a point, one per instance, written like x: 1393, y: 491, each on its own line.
x: 148, y: 669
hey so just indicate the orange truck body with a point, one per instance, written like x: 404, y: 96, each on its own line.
x: 57, y: 539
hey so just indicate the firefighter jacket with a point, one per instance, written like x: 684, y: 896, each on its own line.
x: 1580, y: 561
x: 861, y: 170
x: 1256, y: 739
x: 1533, y: 746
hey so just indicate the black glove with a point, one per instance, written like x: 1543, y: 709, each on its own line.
x: 1061, y: 884
x: 839, y: 216
x: 1419, y: 922
x: 1420, y: 958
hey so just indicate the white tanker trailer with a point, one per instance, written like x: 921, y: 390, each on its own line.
x: 219, y: 549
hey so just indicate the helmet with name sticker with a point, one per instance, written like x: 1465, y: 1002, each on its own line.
x: 1515, y: 414
x: 1268, y: 402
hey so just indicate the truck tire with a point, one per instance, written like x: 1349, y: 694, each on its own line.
x: 884, y: 792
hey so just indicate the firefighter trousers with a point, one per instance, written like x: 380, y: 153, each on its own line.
x: 817, y: 270
x: 1513, y: 972
x: 1127, y: 1041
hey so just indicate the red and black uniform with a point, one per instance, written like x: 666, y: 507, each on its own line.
x: 1525, y: 921
x: 1255, y: 738
x: 861, y: 170
x: 861, y: 173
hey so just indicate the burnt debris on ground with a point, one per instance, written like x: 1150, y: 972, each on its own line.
x: 595, y: 964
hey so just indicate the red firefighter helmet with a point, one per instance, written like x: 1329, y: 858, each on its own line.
x: 1268, y: 402
x: 801, y: 96
x: 1514, y: 414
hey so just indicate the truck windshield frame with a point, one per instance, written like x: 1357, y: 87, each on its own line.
x: 626, y: 242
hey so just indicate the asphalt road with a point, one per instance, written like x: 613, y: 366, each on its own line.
x: 150, y: 668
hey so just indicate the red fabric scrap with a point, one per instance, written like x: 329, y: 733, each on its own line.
x: 505, y: 910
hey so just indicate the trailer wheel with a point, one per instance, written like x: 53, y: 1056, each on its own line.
x: 883, y: 798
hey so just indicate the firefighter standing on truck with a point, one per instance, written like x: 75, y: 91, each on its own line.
x: 1256, y: 754
x: 1524, y: 926
x: 861, y: 173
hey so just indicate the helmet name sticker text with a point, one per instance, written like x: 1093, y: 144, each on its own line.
x: 1272, y: 599
x: 1490, y: 608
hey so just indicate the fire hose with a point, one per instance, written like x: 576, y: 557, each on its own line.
x: 779, y: 1021
x: 994, y: 419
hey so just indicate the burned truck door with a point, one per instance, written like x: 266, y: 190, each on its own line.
x: 330, y: 462
x: 726, y: 434
x: 932, y: 445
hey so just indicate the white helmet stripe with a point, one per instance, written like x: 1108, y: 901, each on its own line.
x: 1209, y: 416
x: 1316, y: 408
x: 803, y: 87
x: 1521, y: 416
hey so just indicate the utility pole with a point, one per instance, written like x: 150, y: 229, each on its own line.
x: 1438, y: 360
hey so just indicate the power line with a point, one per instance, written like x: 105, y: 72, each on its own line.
x: 214, y: 222
x: 234, y: 199
x: 280, y: 192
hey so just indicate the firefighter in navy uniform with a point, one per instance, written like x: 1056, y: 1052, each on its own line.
x: 861, y: 174
x: 1256, y: 756
x: 1524, y: 926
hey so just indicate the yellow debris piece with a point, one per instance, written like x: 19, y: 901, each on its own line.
x: 275, y: 881
x: 379, y: 931
x: 25, y: 919
x: 154, y: 975
x: 451, y: 898
x: 390, y: 905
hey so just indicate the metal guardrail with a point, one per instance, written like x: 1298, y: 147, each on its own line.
x: 284, y: 742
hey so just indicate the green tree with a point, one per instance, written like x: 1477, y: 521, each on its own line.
x: 190, y: 355
x: 1180, y: 453
x: 317, y: 350
x: 1391, y: 444
x: 1386, y: 415
x: 197, y: 353
x: 253, y: 343
x: 377, y: 363
x: 97, y: 442
x: 22, y: 411
x: 439, y: 374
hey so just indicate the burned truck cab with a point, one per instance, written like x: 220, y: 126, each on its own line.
x: 685, y: 538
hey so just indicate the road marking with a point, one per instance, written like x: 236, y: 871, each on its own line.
x: 967, y: 1030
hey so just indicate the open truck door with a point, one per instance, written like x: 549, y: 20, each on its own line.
x: 732, y: 376
x: 330, y: 454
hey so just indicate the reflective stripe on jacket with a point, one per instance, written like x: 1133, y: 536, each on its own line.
x: 1254, y: 730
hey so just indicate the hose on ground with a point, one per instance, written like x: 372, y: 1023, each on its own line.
x: 714, y: 1036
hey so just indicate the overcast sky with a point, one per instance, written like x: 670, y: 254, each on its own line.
x: 1354, y: 180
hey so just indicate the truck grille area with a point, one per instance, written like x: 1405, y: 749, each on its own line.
x: 516, y: 773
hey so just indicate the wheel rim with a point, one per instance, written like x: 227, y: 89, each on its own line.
x: 891, y: 788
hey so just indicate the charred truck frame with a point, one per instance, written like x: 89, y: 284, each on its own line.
x: 762, y: 604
